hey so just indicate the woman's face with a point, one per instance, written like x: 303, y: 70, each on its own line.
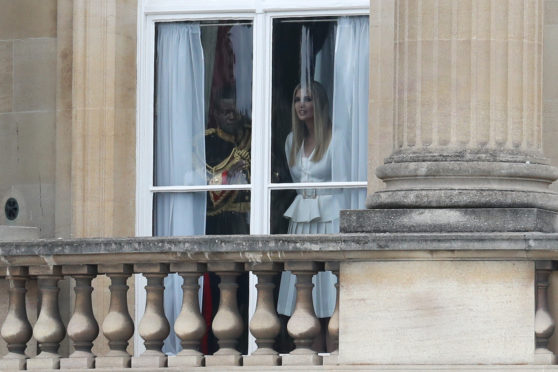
x: 304, y: 105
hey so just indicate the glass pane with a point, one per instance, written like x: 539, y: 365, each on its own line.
x: 312, y: 211
x: 320, y: 99
x: 223, y: 212
x: 203, y: 103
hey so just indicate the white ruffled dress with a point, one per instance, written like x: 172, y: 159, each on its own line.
x: 313, y: 211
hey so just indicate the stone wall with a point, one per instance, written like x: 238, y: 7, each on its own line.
x: 28, y: 54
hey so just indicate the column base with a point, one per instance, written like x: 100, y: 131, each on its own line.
x: 149, y: 361
x: 301, y: 360
x: 449, y: 220
x: 41, y: 364
x: 223, y: 360
x: 77, y: 363
x: 113, y: 362
x: 13, y: 364
x: 463, y: 180
x: 186, y: 360
x: 262, y: 360
x: 331, y: 359
x: 544, y: 357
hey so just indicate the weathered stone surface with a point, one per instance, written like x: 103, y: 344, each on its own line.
x: 461, y: 198
x: 280, y: 248
x: 437, y: 312
x: 301, y: 360
x: 42, y: 364
x: 261, y: 360
x: 186, y: 361
x: 449, y: 220
x: 223, y: 360
x: 13, y: 364
x: 149, y: 361
x: 14, y: 233
x: 77, y: 363
x: 112, y: 362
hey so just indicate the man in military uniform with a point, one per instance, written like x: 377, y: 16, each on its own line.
x: 227, y: 148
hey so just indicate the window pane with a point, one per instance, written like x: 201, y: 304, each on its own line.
x: 312, y: 211
x: 320, y: 99
x: 223, y: 212
x: 203, y: 103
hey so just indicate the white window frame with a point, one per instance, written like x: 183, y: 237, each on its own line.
x: 261, y: 13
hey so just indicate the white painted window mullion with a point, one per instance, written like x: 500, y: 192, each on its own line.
x: 260, y: 123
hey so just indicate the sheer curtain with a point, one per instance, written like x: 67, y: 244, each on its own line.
x: 350, y: 107
x: 180, y: 145
x: 350, y: 131
x: 241, y: 40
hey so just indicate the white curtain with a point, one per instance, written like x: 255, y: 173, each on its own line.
x: 180, y: 146
x: 241, y: 40
x: 324, y: 70
x: 350, y: 107
x: 350, y: 131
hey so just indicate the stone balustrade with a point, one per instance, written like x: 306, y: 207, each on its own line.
x: 228, y: 257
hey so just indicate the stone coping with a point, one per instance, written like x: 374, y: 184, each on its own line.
x: 267, y: 248
x: 377, y: 368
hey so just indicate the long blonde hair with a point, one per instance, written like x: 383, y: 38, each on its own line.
x: 322, y: 123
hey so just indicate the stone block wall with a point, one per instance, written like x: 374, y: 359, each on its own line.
x: 28, y: 55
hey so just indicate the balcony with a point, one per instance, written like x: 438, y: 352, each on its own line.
x: 488, y: 313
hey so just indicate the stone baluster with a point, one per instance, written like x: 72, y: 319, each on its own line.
x: 154, y: 326
x: 82, y: 328
x: 544, y: 324
x: 265, y: 324
x: 16, y: 329
x: 333, y: 325
x: 49, y: 330
x: 227, y: 325
x: 118, y: 325
x: 189, y: 325
x: 303, y: 326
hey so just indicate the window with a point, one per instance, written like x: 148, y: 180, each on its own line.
x: 252, y: 116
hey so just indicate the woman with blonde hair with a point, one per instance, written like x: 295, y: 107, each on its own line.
x: 308, y: 149
x: 313, y: 211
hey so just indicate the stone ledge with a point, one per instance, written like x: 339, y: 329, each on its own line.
x: 344, y: 368
x: 449, y: 220
x: 281, y: 248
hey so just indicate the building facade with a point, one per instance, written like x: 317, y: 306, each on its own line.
x: 464, y: 85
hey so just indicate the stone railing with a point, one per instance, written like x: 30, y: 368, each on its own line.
x: 265, y: 256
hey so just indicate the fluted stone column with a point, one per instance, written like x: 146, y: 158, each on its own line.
x: 265, y: 324
x: 16, y: 329
x: 154, y: 326
x: 189, y: 325
x: 82, y: 328
x: 49, y: 330
x: 467, y: 122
